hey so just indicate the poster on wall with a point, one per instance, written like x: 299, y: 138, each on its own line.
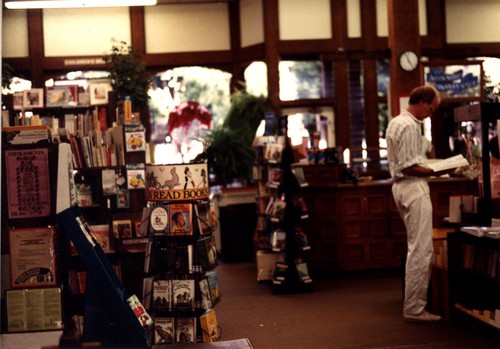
x: 461, y: 81
x: 32, y: 257
x: 179, y: 182
x: 28, y: 188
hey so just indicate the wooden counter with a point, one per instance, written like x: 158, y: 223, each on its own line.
x: 357, y: 227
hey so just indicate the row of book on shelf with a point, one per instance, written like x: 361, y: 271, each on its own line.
x: 166, y: 295
x: 173, y: 330
x: 104, y: 148
x: 281, y: 272
x: 160, y: 220
x: 167, y: 256
x: 484, y: 261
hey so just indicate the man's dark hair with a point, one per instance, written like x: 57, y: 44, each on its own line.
x: 424, y: 94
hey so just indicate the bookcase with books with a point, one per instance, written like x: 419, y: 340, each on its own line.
x: 474, y: 251
x: 181, y: 287
x: 280, y: 237
x: 32, y: 299
x: 106, y: 176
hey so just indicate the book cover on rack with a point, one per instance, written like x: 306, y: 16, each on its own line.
x: 183, y: 294
x: 301, y: 239
x: 164, y: 330
x: 303, y: 272
x: 280, y: 272
x: 278, y: 209
x: 278, y: 240
x: 213, y: 286
x: 275, y: 177
x: 102, y: 234
x: 209, y: 326
x: 122, y: 229
x: 161, y: 295
x: 135, y: 138
x: 181, y: 218
x: 205, y: 294
x: 185, y: 330
x: 159, y: 220
x: 299, y: 175
x: 207, y: 252
x: 205, y: 216
x: 135, y: 175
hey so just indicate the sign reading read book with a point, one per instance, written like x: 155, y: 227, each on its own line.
x: 177, y: 182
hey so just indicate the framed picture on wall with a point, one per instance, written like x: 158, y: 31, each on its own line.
x: 458, y: 81
x: 62, y: 96
x: 33, y: 98
x: 18, y: 100
x: 99, y: 92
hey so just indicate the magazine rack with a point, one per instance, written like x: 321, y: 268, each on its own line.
x: 108, y: 317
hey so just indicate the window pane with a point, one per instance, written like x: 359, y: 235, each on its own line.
x: 301, y: 80
x: 382, y: 77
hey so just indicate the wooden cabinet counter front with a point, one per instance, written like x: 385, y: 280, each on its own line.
x: 357, y: 226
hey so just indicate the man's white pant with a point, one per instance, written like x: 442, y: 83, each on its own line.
x: 414, y: 205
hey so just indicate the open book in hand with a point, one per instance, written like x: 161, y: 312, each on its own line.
x: 448, y: 163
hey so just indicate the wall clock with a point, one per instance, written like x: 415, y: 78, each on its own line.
x: 408, y: 61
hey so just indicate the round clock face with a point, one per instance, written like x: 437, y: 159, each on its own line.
x: 408, y: 61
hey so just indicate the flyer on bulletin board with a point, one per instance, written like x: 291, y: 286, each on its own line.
x: 32, y: 257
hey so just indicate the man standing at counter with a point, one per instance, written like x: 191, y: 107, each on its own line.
x: 407, y: 151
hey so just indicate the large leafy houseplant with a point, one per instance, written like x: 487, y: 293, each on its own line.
x: 128, y: 74
x: 229, y: 146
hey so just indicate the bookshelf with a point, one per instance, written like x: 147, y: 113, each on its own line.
x: 280, y: 239
x: 180, y: 285
x: 65, y: 127
x: 473, y: 258
x: 474, y: 276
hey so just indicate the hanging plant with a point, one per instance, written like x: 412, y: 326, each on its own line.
x: 128, y: 73
x: 7, y: 75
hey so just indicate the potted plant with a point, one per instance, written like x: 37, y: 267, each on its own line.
x: 229, y: 149
x: 128, y: 74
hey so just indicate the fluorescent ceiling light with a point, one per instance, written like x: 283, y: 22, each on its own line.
x: 75, y: 3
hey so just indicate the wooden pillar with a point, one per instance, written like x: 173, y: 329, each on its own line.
x: 36, y: 47
x: 404, y: 36
x: 271, y: 56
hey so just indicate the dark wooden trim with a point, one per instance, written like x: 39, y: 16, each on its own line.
x: 436, y: 25
x: 137, y: 29
x: 36, y: 46
x: 271, y: 35
x: 339, y: 24
x: 342, y: 123
x: 188, y: 58
x: 371, y: 102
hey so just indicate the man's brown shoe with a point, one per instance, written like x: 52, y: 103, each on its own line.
x: 425, y: 316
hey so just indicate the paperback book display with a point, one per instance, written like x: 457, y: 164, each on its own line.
x: 281, y: 213
x: 180, y: 287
